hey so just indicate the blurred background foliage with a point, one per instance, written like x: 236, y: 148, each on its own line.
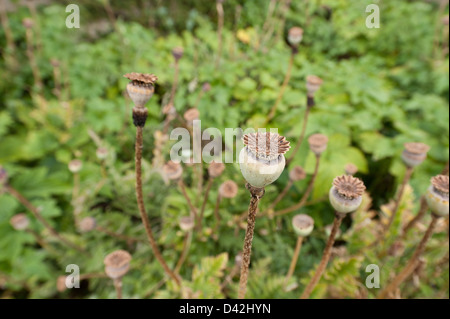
x: 382, y: 87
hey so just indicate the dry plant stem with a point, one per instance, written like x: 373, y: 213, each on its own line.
x: 256, y: 194
x: 186, y: 245
x: 140, y: 202
x: 279, y: 198
x: 294, y: 260
x: 118, y: 286
x: 412, y: 263
x: 305, y: 195
x: 287, y: 77
x: 220, y: 20
x: 217, y: 215
x: 205, y: 199
x: 188, y: 200
x: 40, y: 218
x: 93, y: 275
x: 419, y: 216
x: 445, y: 170
x: 325, y: 258
x: 406, y: 179
x: 116, y: 235
x: 301, y: 137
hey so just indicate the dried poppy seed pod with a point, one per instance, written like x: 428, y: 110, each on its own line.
x: 117, y: 264
x: 140, y: 89
x: 346, y: 194
x: 262, y: 159
x: 172, y: 170
x: 438, y: 195
x: 414, y: 154
x: 177, y: 53
x: 351, y: 169
x: 75, y: 165
x: 187, y: 223
x: 87, y: 224
x: 191, y: 115
x: 27, y: 23
x: 295, y: 36
x: 206, y: 87
x: 318, y: 143
x: 303, y: 225
x: 313, y: 84
x: 19, y: 222
x: 215, y: 169
x: 228, y: 189
x: 102, y: 153
x: 297, y: 173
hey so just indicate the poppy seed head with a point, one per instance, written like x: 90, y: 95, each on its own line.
x: 19, y: 221
x: 349, y: 187
x: 297, y: 173
x: 266, y: 145
x: 215, y: 169
x: 228, y: 189
x: 117, y: 263
x: 318, y: 143
x: 441, y: 184
x: 173, y: 170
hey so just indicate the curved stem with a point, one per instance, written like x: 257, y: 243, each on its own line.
x: 188, y: 200
x: 325, y: 258
x: 287, y: 77
x: 205, y: 199
x: 406, y: 179
x: 217, y: 215
x: 35, y: 211
x: 279, y: 198
x: 256, y: 193
x: 412, y: 264
x: 294, y: 259
x: 300, y: 138
x: 140, y: 201
x: 305, y: 195
x: 419, y: 216
x: 186, y: 245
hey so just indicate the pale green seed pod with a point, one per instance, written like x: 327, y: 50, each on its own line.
x: 414, y: 154
x: 141, y: 87
x: 262, y: 159
x: 295, y: 36
x: 437, y: 195
x: 346, y: 194
x: 117, y: 264
x: 303, y: 225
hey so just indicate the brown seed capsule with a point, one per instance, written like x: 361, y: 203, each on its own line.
x: 102, y: 153
x: 19, y: 222
x: 351, y: 169
x: 206, y: 87
x: 177, y: 53
x: 228, y: 189
x: 173, y: 170
x: 295, y: 36
x: 414, y: 154
x: 27, y: 23
x: 318, y: 143
x: 87, y: 224
x: 438, y: 195
x: 303, y: 225
x: 313, y: 84
x: 75, y: 165
x: 346, y: 193
x: 141, y: 87
x: 297, y: 173
x: 187, y: 223
x: 262, y: 160
x: 191, y: 115
x: 215, y: 169
x: 117, y: 264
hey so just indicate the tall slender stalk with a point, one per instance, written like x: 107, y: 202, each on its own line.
x: 412, y: 263
x: 217, y: 216
x: 301, y: 137
x: 405, y: 181
x: 294, y: 260
x: 35, y: 211
x: 140, y: 201
x: 308, y: 191
x: 325, y: 258
x: 287, y: 77
x: 256, y: 194
x: 170, y: 106
x: 422, y: 210
x: 220, y: 21
x: 186, y: 245
x: 205, y: 199
x: 118, y: 287
x: 188, y: 200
